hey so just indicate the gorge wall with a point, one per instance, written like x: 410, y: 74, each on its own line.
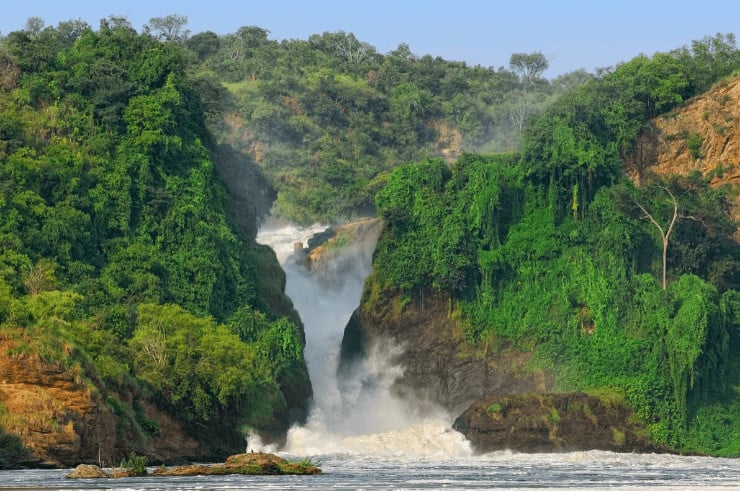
x: 439, y: 364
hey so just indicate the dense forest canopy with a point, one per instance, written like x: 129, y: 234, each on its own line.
x: 118, y: 259
x: 552, y: 250
x: 326, y: 119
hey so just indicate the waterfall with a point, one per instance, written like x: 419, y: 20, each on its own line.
x: 360, y: 413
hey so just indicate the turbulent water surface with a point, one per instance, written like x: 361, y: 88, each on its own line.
x: 392, y: 470
x: 364, y: 438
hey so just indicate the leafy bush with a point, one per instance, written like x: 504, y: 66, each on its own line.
x: 494, y: 408
x: 694, y: 142
x: 135, y: 463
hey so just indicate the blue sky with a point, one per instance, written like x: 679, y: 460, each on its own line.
x: 571, y: 34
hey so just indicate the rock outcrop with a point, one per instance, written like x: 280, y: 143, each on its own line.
x: 253, y: 463
x: 552, y: 423
x: 701, y: 136
x: 88, y: 471
x: 335, y: 254
x: 438, y: 363
x: 62, y: 421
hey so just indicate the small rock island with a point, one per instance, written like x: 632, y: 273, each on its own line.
x: 253, y: 463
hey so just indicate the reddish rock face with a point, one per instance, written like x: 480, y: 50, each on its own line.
x: 63, y: 421
x: 48, y: 409
x: 703, y: 135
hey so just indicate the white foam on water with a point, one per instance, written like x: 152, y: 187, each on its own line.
x: 429, y: 438
x: 282, y: 236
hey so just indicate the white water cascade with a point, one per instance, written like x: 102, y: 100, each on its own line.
x: 360, y: 415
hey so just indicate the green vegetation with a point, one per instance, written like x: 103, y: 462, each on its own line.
x: 136, y: 464
x: 695, y: 142
x: 12, y: 451
x: 122, y: 261
x: 552, y: 250
x: 494, y: 408
x: 308, y: 462
x: 118, y: 260
x: 618, y: 437
x: 327, y: 118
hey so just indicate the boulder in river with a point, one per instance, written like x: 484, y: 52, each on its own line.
x: 553, y: 422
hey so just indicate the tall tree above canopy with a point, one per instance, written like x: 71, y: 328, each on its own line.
x: 169, y: 28
x: 529, y: 67
x: 34, y: 25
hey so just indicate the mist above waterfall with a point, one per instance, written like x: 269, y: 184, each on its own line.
x: 356, y: 412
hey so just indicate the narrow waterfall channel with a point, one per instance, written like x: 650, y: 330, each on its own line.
x: 360, y: 414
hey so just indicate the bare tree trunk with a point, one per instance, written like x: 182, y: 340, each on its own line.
x: 664, y: 234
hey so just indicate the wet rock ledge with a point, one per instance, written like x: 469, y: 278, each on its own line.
x: 253, y: 463
x: 554, y: 422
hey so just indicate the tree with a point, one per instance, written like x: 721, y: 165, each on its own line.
x: 252, y: 36
x: 204, y: 44
x: 571, y: 80
x: 34, y: 25
x: 528, y: 67
x: 344, y: 46
x: 41, y: 277
x: 114, y: 22
x: 70, y: 31
x: 695, y: 219
x: 170, y: 28
x: 10, y: 72
x: 665, y: 232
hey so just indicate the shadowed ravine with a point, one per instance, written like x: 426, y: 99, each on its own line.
x: 354, y: 411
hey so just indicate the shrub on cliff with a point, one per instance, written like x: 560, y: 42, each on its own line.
x: 12, y: 451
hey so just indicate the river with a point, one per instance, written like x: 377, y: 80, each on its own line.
x: 364, y: 438
x: 504, y: 470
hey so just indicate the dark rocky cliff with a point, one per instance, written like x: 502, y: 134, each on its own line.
x: 552, y: 423
x: 439, y: 364
x: 502, y: 402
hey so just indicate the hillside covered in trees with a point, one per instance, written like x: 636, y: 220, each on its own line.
x: 136, y: 167
x: 327, y: 118
x: 121, y: 269
x: 624, y: 288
